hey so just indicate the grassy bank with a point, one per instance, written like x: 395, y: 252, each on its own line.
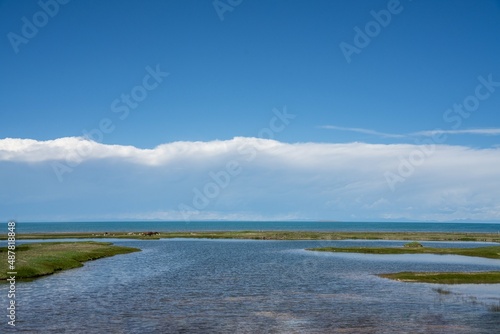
x: 491, y: 252
x: 274, y: 235
x: 35, y: 260
x: 488, y: 277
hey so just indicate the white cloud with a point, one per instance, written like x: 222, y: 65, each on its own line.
x: 175, y: 215
x: 426, y: 133
x: 272, y: 179
x: 69, y: 148
x: 361, y: 130
x: 78, y: 149
x: 484, y: 132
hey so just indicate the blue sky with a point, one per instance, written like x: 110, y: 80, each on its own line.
x: 234, y: 70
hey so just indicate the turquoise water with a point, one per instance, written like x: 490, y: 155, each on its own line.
x: 23, y: 227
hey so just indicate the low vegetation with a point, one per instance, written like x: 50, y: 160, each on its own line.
x: 273, y: 235
x: 491, y: 252
x: 487, y: 277
x: 413, y: 244
x: 35, y: 260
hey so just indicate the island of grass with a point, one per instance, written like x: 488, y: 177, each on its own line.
x: 490, y: 252
x: 40, y: 259
x: 484, y: 277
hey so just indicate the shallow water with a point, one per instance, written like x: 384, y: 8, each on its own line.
x: 247, y: 286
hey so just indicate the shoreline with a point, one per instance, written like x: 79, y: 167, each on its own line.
x: 489, y: 252
x: 474, y: 277
x: 42, y: 259
x: 270, y: 235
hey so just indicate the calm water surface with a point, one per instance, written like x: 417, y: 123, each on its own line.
x: 246, y: 286
x: 23, y: 227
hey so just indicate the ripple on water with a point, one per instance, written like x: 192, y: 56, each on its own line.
x: 206, y: 286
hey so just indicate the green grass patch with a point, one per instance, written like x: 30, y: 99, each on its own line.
x: 491, y: 252
x: 413, y: 244
x: 40, y: 259
x: 487, y: 277
x: 273, y: 235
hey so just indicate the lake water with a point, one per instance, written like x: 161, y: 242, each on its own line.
x: 23, y: 227
x: 248, y: 286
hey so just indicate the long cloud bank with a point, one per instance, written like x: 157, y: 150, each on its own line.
x: 250, y: 177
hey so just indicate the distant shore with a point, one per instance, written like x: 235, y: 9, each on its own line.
x: 270, y: 235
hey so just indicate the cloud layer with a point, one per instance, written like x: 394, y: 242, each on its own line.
x: 427, y: 133
x: 483, y: 132
x: 247, y: 178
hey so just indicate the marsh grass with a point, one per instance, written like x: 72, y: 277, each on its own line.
x: 486, y: 277
x: 276, y: 235
x: 413, y: 244
x: 491, y: 252
x: 35, y: 260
